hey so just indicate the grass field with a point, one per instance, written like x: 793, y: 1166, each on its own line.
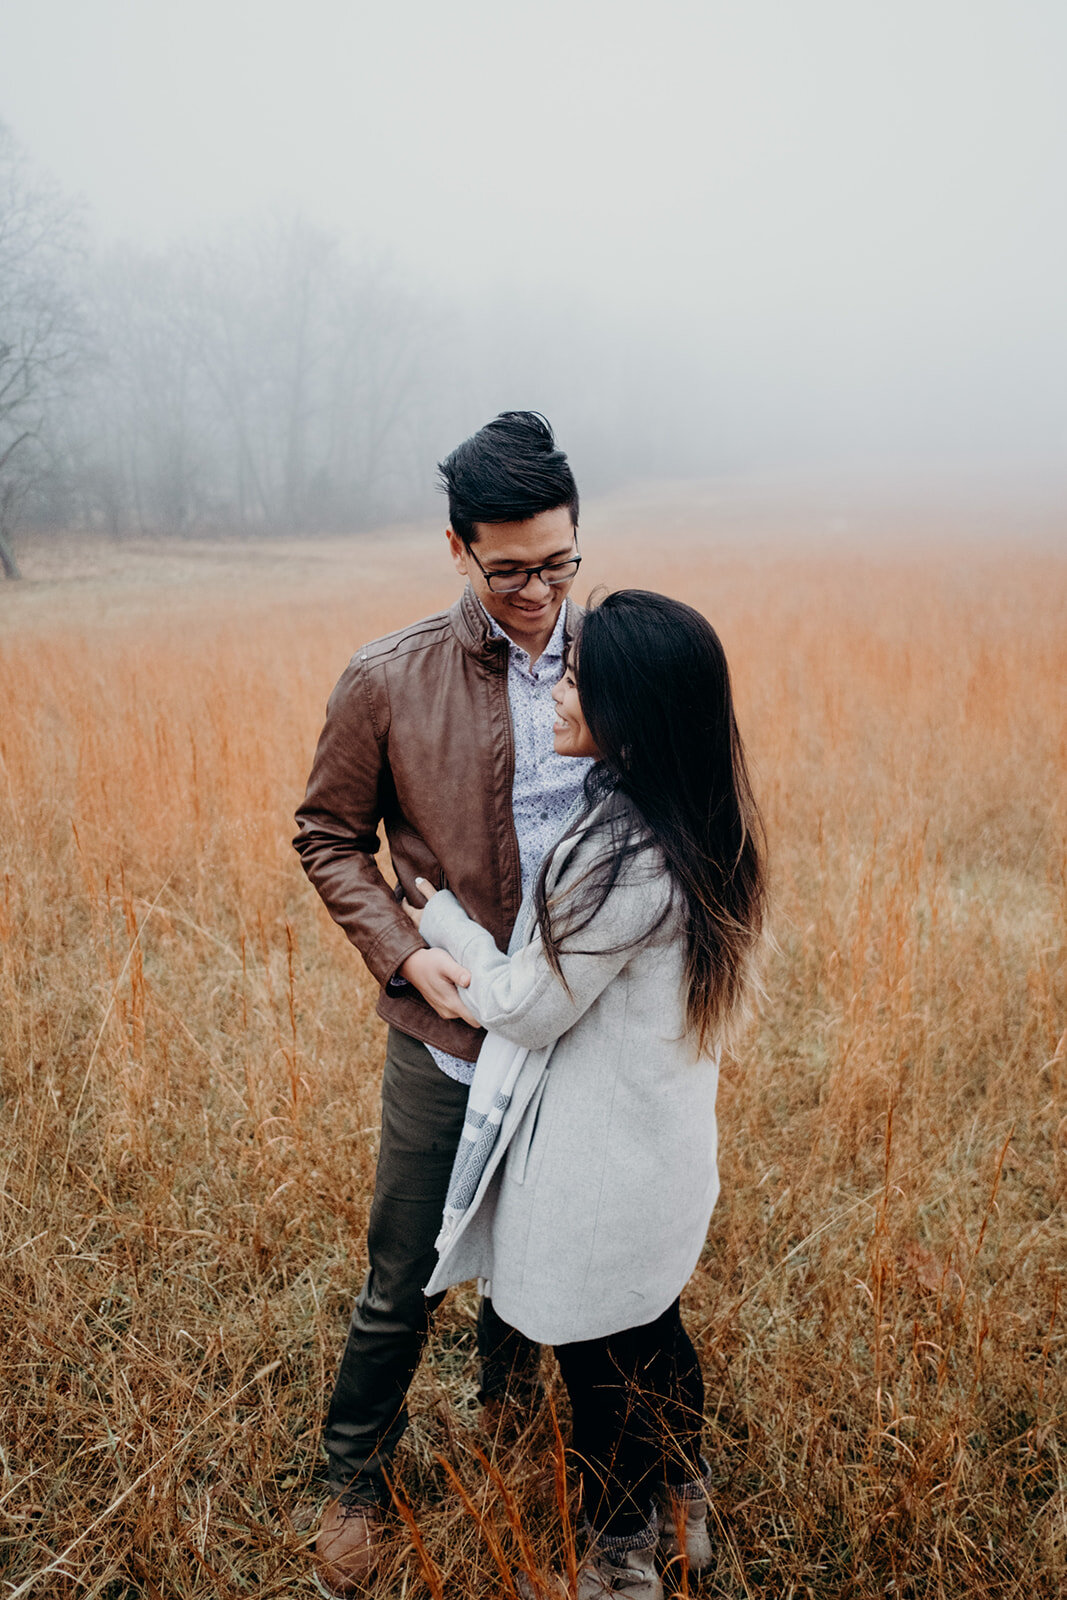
x: 190, y: 1055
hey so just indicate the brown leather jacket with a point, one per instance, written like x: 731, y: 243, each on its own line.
x: 418, y: 736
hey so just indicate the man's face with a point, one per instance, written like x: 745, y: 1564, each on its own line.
x: 528, y: 613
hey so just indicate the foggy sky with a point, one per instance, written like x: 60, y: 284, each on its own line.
x: 845, y: 218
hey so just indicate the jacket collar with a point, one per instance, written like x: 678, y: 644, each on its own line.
x: 471, y: 627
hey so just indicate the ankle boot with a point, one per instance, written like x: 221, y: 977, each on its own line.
x: 631, y: 1574
x: 682, y: 1519
x: 690, y: 1518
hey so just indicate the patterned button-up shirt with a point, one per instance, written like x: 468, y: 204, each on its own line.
x: 546, y: 786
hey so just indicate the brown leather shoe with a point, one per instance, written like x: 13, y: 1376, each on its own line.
x: 348, y: 1546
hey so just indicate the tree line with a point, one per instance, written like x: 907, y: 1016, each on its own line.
x: 265, y: 380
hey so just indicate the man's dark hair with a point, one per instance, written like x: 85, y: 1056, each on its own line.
x: 508, y: 471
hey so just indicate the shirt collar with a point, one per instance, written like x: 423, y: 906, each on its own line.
x: 553, y: 650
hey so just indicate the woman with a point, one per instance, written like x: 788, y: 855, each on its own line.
x: 588, y: 1172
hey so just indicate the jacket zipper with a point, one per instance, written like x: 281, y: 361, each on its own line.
x: 508, y: 832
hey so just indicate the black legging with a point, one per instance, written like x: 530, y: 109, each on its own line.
x: 637, y: 1400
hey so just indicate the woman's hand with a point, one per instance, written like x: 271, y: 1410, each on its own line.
x: 433, y: 973
x: 427, y: 891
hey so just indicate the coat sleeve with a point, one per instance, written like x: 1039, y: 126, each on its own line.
x: 519, y: 996
x: 338, y: 826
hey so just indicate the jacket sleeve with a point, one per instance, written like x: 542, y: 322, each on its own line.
x: 519, y: 996
x: 338, y: 822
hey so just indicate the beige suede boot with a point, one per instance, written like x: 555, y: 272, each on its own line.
x: 682, y: 1519
x: 633, y: 1574
x: 690, y: 1519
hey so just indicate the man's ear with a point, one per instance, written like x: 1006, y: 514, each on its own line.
x: 458, y: 551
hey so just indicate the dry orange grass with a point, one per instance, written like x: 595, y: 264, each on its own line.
x: 190, y: 1061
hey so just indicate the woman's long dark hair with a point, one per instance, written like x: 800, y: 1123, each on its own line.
x: 671, y: 776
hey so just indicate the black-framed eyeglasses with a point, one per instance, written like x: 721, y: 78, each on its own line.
x: 553, y: 572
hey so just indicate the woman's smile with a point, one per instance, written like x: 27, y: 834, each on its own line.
x: 570, y: 731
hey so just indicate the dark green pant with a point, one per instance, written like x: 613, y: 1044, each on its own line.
x: 422, y: 1117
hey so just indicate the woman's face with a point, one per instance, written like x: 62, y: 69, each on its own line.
x: 570, y: 733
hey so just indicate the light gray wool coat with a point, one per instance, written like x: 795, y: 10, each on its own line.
x: 594, y: 1206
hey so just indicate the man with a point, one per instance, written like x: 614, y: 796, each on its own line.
x: 443, y: 732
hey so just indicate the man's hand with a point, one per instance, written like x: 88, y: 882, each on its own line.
x: 439, y: 979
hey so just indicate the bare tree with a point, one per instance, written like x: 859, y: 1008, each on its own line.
x: 42, y: 337
x: 146, y: 412
x: 314, y: 361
